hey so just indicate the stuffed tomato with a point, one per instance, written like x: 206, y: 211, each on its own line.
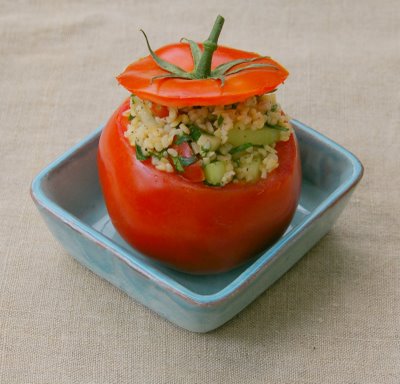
x: 200, y: 167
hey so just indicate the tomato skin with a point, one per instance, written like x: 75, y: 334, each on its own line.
x: 190, y: 226
x: 137, y: 78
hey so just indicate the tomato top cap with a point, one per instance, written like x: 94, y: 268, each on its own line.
x: 188, y: 73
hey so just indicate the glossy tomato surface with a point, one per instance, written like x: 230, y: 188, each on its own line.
x: 191, y: 226
x: 138, y: 78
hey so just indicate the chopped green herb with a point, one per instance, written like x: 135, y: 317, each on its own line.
x: 133, y: 99
x: 139, y: 153
x: 240, y: 148
x: 177, y: 163
x: 183, y: 138
x: 220, y: 120
x: 130, y: 117
x: 186, y: 161
x: 274, y: 108
x: 277, y: 127
x: 195, y: 132
x: 181, y: 162
x: 212, y: 118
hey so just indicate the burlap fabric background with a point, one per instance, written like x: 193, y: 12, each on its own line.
x: 334, y: 318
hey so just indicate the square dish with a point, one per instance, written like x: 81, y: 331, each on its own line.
x: 68, y: 196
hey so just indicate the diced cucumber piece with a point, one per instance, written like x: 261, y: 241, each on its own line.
x: 214, y: 172
x: 264, y: 136
x: 146, y: 116
x: 253, y: 170
x: 208, y: 142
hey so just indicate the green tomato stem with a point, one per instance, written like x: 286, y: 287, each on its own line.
x: 203, y: 69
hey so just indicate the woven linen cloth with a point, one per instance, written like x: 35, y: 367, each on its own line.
x: 333, y: 318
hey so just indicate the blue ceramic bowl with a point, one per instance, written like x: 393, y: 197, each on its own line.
x: 67, y: 194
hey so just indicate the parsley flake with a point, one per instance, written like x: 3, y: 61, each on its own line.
x: 139, y: 153
x: 195, y: 132
x: 277, y: 127
x: 183, y: 138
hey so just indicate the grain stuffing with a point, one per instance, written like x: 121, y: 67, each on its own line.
x: 232, y: 143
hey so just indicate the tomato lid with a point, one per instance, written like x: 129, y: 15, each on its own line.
x: 188, y: 73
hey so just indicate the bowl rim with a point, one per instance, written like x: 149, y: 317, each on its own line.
x: 158, y: 277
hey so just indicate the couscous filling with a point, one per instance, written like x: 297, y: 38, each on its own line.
x: 231, y: 143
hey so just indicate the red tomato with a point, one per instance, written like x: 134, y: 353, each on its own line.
x: 191, y: 226
x: 194, y: 172
x: 159, y: 110
x: 137, y: 78
x: 183, y: 149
